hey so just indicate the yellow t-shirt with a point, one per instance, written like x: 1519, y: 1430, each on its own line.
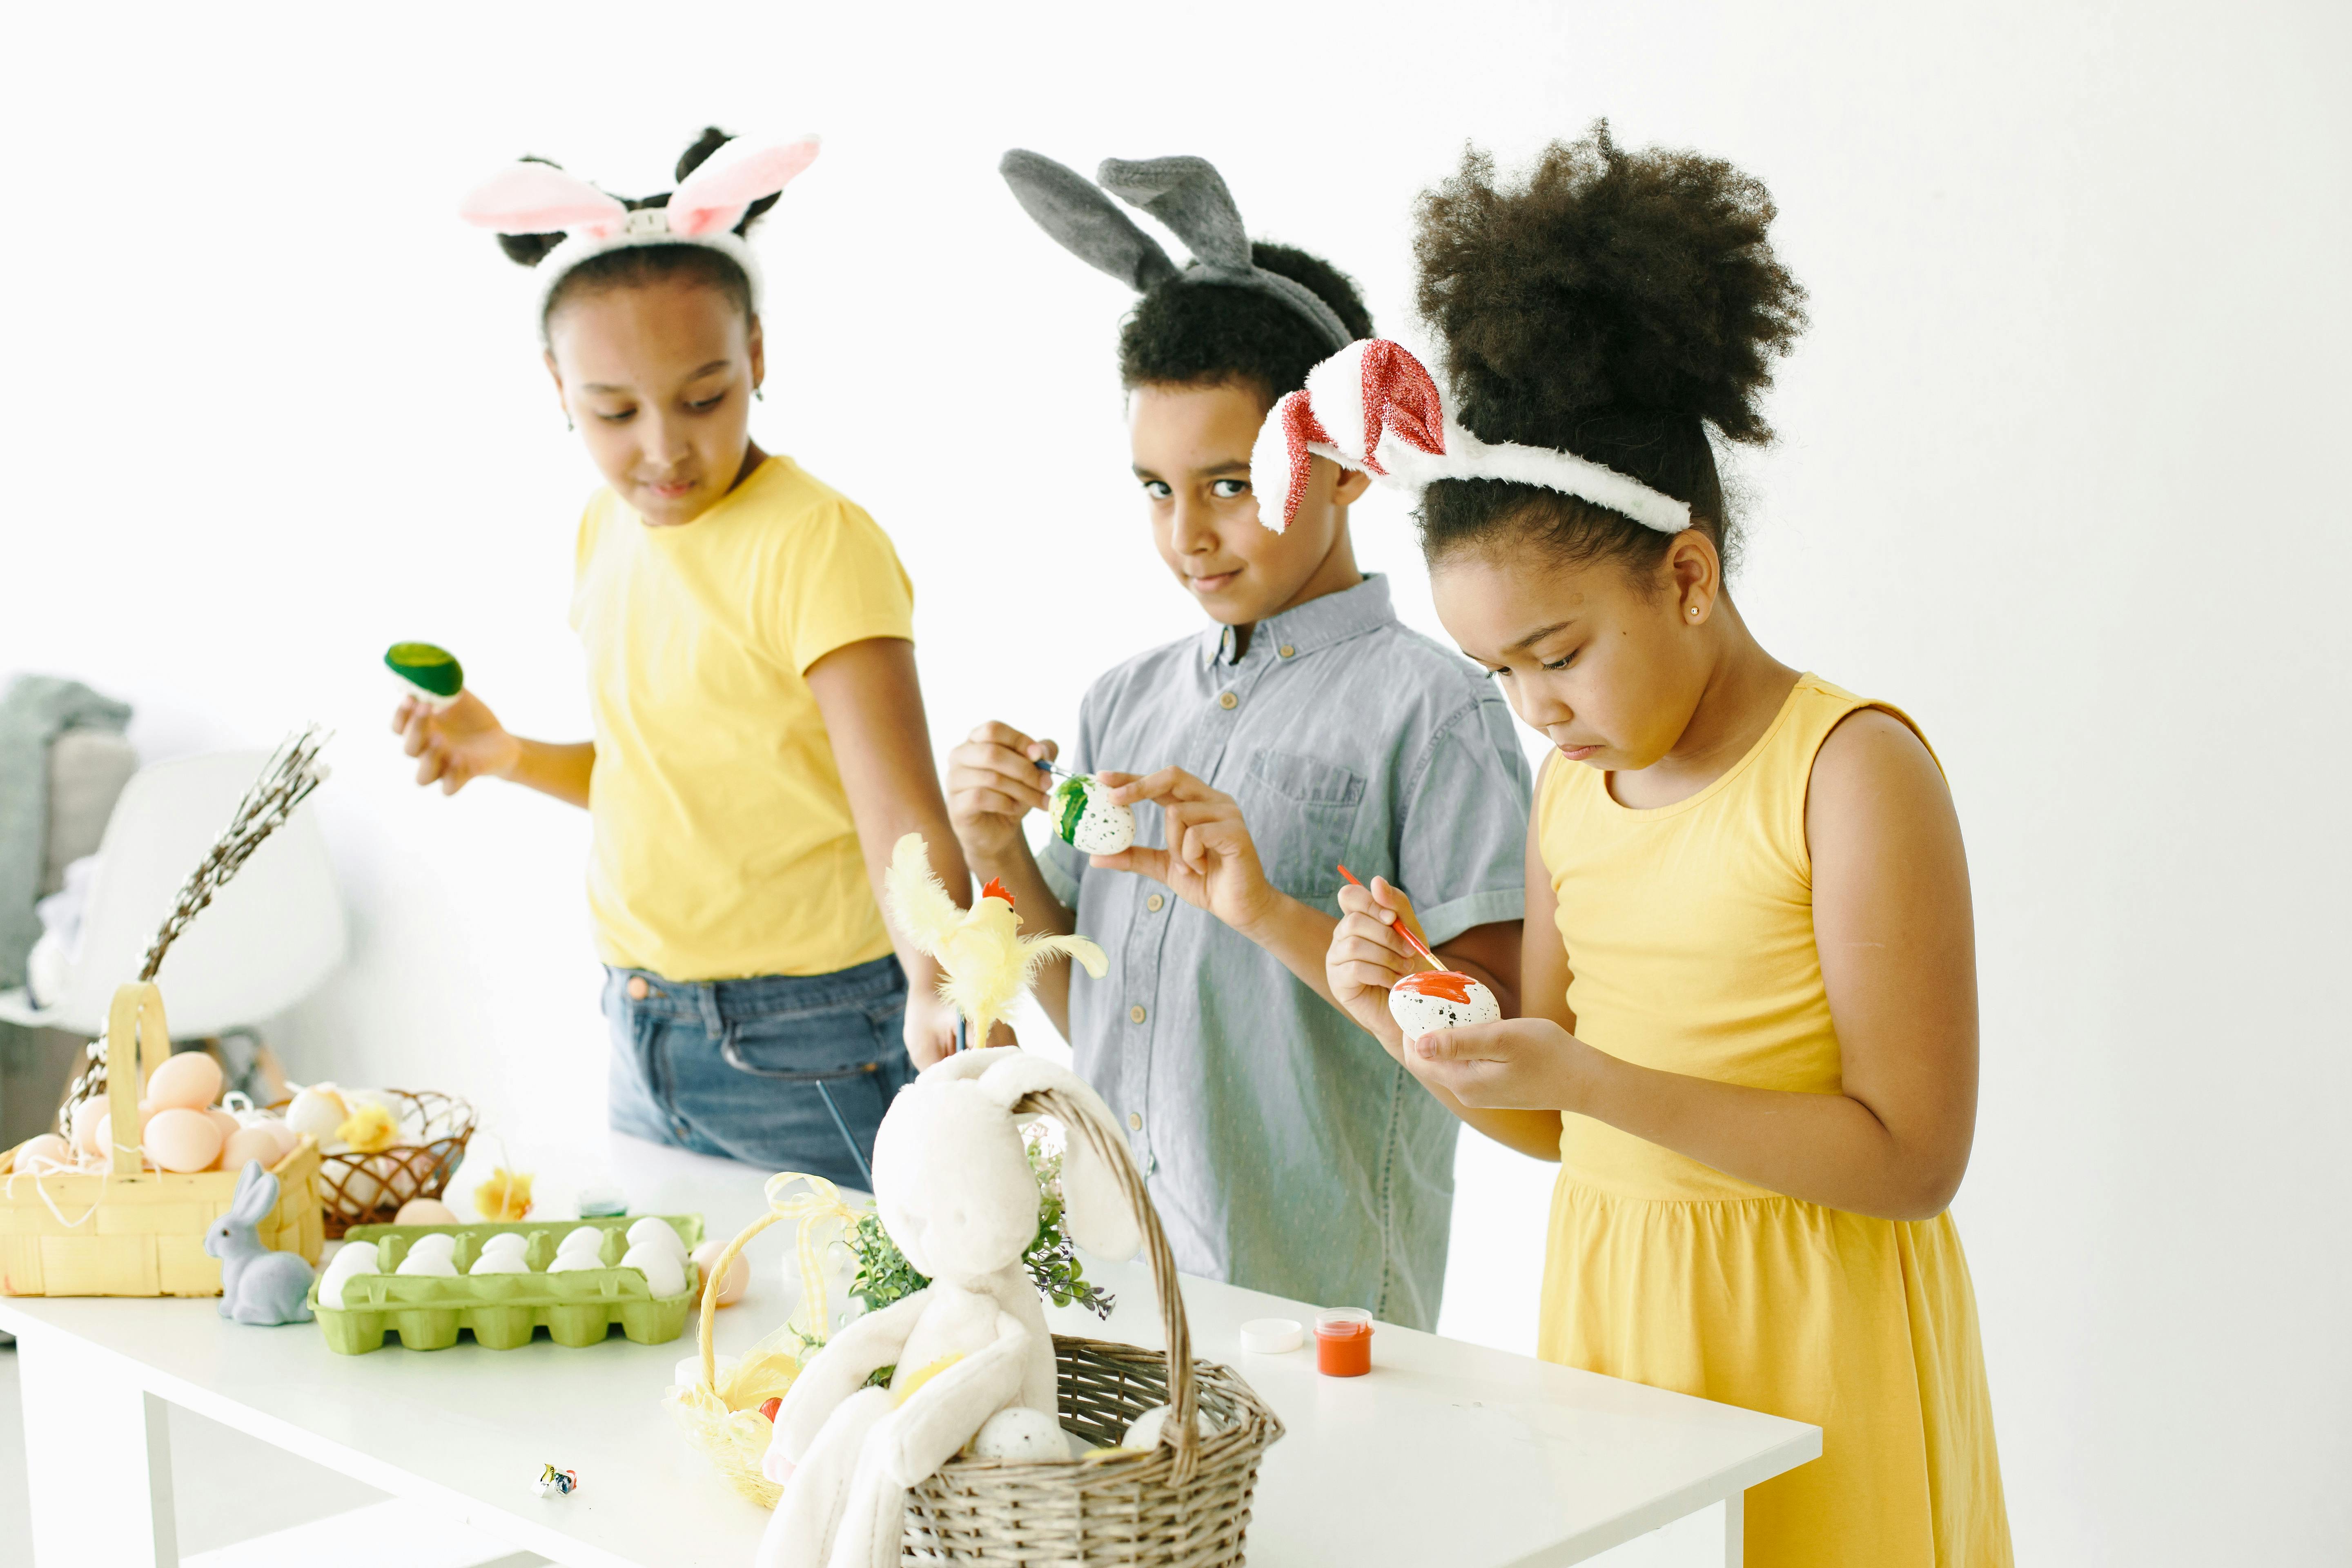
x: 723, y: 843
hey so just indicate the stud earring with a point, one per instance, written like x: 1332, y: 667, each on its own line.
x: 567, y: 420
x: 761, y: 392
x: 1694, y: 609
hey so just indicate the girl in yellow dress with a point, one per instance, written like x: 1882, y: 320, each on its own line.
x: 1748, y: 1024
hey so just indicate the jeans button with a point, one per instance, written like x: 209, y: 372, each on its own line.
x: 639, y: 988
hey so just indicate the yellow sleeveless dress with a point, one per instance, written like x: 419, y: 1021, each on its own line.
x: 1689, y: 930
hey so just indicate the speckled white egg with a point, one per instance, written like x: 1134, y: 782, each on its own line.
x: 1021, y: 1435
x: 1440, y: 999
x: 1086, y: 818
x: 665, y: 1273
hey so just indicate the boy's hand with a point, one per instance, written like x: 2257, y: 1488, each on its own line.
x: 1210, y: 862
x: 993, y: 782
x: 1369, y: 955
x: 462, y: 742
x: 930, y: 1028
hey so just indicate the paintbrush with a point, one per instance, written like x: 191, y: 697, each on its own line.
x: 1405, y: 931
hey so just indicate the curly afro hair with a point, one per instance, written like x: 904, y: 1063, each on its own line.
x: 1615, y: 306
x: 1215, y: 334
x: 638, y: 265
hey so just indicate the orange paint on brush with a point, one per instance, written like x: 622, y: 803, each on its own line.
x: 1446, y: 984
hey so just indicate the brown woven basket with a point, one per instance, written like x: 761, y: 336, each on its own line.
x: 1185, y: 1504
x: 368, y: 1189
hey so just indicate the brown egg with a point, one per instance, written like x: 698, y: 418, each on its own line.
x: 86, y: 1119
x: 738, y: 1273
x: 189, y: 1080
x: 178, y: 1139
x: 248, y: 1143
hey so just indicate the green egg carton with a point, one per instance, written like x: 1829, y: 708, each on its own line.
x: 578, y: 1307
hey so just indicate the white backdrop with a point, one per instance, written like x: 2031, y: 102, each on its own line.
x: 2061, y: 472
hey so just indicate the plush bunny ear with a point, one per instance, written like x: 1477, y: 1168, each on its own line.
x: 1092, y: 1196
x: 713, y: 198
x: 1084, y: 221
x: 540, y: 198
x: 1188, y: 195
x: 256, y: 1194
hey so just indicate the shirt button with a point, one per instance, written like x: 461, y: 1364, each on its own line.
x: 1135, y: 1122
x: 1154, y: 902
x: 1135, y: 1015
x: 1229, y: 701
x: 1285, y: 650
x: 637, y: 988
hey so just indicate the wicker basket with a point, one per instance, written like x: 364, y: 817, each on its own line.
x: 368, y: 1189
x: 1185, y: 1504
x: 132, y: 1231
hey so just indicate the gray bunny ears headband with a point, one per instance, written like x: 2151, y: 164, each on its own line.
x: 1187, y: 194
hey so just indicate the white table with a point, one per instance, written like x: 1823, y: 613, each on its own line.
x: 1449, y: 1453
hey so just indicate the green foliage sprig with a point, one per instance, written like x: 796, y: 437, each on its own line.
x: 885, y: 1276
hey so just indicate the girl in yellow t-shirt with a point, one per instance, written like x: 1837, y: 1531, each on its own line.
x: 1749, y: 977
x: 760, y: 742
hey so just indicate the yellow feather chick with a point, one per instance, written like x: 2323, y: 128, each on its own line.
x: 985, y: 960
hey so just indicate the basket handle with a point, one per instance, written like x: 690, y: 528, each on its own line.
x: 1183, y: 1395
x: 137, y: 1041
x: 710, y: 1280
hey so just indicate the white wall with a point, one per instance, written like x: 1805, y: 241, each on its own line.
x: 2061, y: 472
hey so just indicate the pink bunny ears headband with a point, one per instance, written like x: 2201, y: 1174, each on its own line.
x: 540, y: 198
x: 1374, y: 408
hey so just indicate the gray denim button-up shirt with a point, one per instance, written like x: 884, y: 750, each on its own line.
x: 1285, y: 1150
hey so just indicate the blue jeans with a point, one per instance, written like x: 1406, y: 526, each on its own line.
x: 784, y: 1071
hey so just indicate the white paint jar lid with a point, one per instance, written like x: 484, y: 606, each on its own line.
x: 1271, y: 1336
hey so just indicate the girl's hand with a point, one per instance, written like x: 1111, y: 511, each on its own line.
x: 1518, y: 1064
x: 1368, y: 955
x: 993, y: 782
x: 462, y: 742
x: 1210, y: 862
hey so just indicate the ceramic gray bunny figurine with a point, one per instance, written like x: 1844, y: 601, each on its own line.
x: 257, y: 1285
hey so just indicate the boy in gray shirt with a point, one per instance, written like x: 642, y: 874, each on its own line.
x: 1304, y: 727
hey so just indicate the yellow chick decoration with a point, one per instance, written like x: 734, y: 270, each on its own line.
x: 987, y: 962
x: 370, y: 1128
x: 504, y: 1197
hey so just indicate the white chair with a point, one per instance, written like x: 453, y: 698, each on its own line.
x: 263, y: 944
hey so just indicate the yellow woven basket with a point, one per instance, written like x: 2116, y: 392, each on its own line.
x: 132, y: 1231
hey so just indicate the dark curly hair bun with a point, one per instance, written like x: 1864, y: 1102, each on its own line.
x: 1614, y: 305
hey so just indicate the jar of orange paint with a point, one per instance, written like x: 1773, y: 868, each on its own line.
x: 1343, y: 1342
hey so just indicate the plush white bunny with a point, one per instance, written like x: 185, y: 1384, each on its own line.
x: 953, y: 1186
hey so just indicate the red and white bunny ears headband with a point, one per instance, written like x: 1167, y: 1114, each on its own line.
x: 540, y: 198
x: 1375, y: 408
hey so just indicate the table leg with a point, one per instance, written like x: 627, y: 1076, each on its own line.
x: 1735, y: 1529
x: 98, y: 1458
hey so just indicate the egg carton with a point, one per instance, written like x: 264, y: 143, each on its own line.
x: 427, y: 1311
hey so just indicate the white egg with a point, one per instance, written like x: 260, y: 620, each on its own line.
x: 1144, y: 1431
x: 650, y: 1231
x: 440, y: 1243
x: 1440, y: 1000
x: 436, y: 1263
x: 499, y: 1262
x: 507, y: 1241
x: 574, y: 1262
x: 316, y: 1110
x: 665, y: 1275
x: 1022, y: 1436
x: 587, y: 1238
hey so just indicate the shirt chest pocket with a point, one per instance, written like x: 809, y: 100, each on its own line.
x: 1301, y: 814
